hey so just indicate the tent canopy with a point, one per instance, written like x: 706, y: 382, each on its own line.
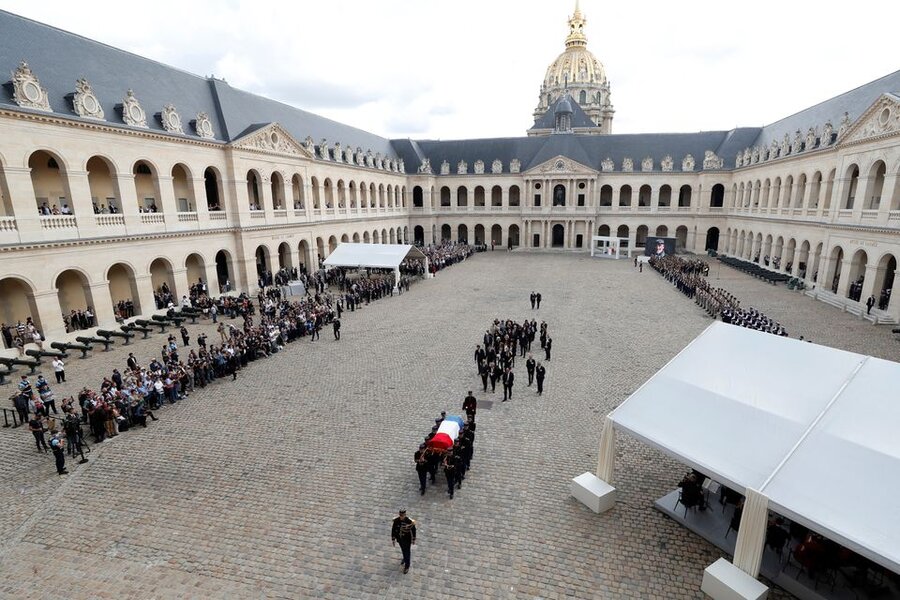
x: 376, y: 256
x: 812, y: 428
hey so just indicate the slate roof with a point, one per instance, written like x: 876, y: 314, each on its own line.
x: 579, y: 117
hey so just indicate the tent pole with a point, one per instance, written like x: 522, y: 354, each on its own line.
x: 751, y: 536
x: 396, y: 279
x: 607, y: 460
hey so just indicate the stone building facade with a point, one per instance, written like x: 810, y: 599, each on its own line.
x: 118, y: 174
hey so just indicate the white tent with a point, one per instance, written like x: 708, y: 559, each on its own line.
x: 375, y: 256
x: 810, y: 432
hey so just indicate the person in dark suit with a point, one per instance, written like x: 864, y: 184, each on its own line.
x: 508, y: 378
x: 495, y: 375
x: 537, y: 299
x: 529, y: 366
x: 480, y: 354
x: 540, y: 373
x: 547, y: 347
x: 470, y: 406
x: 484, y: 371
x: 533, y: 297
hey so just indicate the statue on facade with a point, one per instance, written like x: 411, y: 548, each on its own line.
x: 425, y: 167
x: 844, y: 126
x: 479, y: 167
x: 496, y: 166
x: 827, y: 133
x: 811, y: 139
x: 445, y: 168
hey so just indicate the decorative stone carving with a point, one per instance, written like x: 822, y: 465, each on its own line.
x: 310, y: 145
x: 797, y: 144
x: 27, y: 89
x: 667, y: 164
x: 627, y: 165
x: 170, y: 119
x: 607, y: 165
x: 827, y: 133
x: 132, y: 113
x: 425, y: 167
x: 85, y: 102
x: 203, y: 126
x: 445, y: 168
x: 370, y: 159
x: 360, y: 157
x: 462, y: 167
x: 756, y: 154
x: 882, y: 118
x: 785, y: 145
x: 844, y: 126
x: 479, y: 167
x: 647, y: 164
x: 338, y: 153
x: 763, y: 154
x: 378, y: 164
x: 711, y: 161
x: 687, y: 163
x: 747, y: 157
x: 401, y: 167
x: 810, y: 139
x: 349, y: 156
x: 773, y: 150
x: 273, y: 140
x: 515, y: 166
x: 497, y: 166
x: 323, y: 150
x: 739, y: 160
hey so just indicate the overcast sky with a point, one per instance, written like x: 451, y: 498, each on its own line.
x: 467, y: 68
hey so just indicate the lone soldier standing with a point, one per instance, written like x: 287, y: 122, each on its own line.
x: 529, y: 366
x: 403, y: 530
x: 533, y: 297
x: 470, y: 405
x: 541, y: 372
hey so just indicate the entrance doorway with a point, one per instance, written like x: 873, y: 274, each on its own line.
x: 559, y: 234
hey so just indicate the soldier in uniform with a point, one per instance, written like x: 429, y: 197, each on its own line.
x: 421, y: 458
x: 470, y: 406
x: 450, y: 471
x: 403, y: 531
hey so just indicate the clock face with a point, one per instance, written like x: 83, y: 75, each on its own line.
x: 560, y: 165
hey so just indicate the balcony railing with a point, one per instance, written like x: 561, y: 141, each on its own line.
x: 218, y: 216
x: 869, y: 215
x: 8, y: 224
x: 153, y: 218
x: 187, y: 217
x: 257, y: 214
x: 58, y: 222
x: 110, y: 220
x: 845, y: 213
x: 894, y: 215
x: 280, y: 213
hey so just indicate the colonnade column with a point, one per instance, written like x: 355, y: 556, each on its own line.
x: 49, y: 314
x: 844, y: 281
x: 103, y: 311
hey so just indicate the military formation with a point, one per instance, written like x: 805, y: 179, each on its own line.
x: 454, y: 462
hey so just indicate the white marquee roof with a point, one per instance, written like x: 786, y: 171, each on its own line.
x: 377, y: 256
x: 813, y: 429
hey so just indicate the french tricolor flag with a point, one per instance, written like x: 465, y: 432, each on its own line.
x: 447, y: 433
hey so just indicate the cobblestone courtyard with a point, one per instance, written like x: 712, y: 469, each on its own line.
x: 283, y: 484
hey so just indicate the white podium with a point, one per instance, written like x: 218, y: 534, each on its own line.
x: 724, y: 581
x: 593, y: 492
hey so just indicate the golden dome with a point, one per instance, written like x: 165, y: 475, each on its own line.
x: 576, y: 65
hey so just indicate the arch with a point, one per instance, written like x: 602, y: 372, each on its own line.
x: 333, y: 243
x: 662, y: 231
x: 625, y: 196
x: 479, y: 234
x: 462, y: 196
x: 224, y: 270
x: 316, y: 194
x: 445, y: 196
x: 406, y: 234
x: 303, y: 251
x: 514, y: 195
x: 446, y: 233
x: 276, y: 187
x: 884, y: 280
x: 418, y: 196
x: 717, y: 197
x: 852, y: 175
x: 681, y: 233
x: 212, y: 185
x: 512, y: 239
x: 393, y: 235
x: 876, y: 180
x: 17, y: 302
x: 801, y: 191
x: 857, y: 274
x: 836, y: 259
x: 285, y: 256
x: 373, y: 196
x: 479, y: 196
x: 320, y: 251
x: 366, y: 238
x: 183, y: 188
x: 559, y: 195
x: 345, y: 238
x: 496, y: 196
x: 641, y: 235
x: 582, y: 98
x: 644, y: 194
x: 558, y: 236
x: 829, y: 189
x: 162, y: 279
x: 381, y: 196
x: 776, y: 192
x: 328, y: 188
x: 684, y: 195
x: 766, y: 251
x: 622, y: 232
x: 356, y: 238
x: 496, y: 235
x: 815, y: 190
x: 712, y: 238
x: 341, y: 194
x: 766, y: 192
x: 50, y: 182
x: 384, y: 236
x: 603, y: 230
x: 802, y: 258
x: 418, y: 235
x: 788, y: 191
x: 390, y: 196
x: 104, y: 187
x: 123, y: 287
x: 297, y: 192
x: 263, y: 265
x: 462, y: 234
x: 195, y: 265
x: 254, y: 190
x: 665, y: 195
x: 363, y: 194
x: 606, y: 195
x: 788, y: 252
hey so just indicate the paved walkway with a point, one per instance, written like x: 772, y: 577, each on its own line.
x: 283, y: 484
